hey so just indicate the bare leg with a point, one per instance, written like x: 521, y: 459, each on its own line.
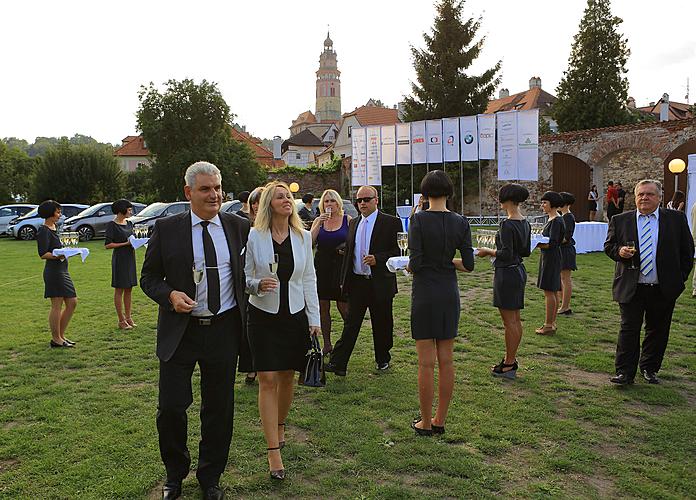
x: 54, y: 319
x: 426, y: 380
x: 567, y: 289
x: 286, y: 389
x: 268, y: 410
x: 70, y: 305
x: 342, y: 308
x: 118, y: 304
x: 445, y: 379
x: 513, y: 333
x: 592, y: 215
x: 325, y: 318
x: 551, y: 308
x: 127, y: 301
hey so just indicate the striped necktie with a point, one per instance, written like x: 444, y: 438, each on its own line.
x: 646, y: 245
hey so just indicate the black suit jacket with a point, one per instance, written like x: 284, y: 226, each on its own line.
x: 674, y: 257
x: 382, y: 245
x: 168, y: 266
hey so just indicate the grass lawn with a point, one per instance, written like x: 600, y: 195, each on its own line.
x: 80, y: 423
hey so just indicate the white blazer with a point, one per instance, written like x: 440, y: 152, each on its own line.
x: 302, y: 287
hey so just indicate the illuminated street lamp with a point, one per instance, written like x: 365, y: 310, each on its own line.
x: 295, y: 187
x: 676, y: 166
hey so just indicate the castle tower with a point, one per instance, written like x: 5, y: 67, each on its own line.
x: 328, y: 93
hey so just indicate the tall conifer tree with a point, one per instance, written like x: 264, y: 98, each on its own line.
x: 443, y: 88
x: 594, y: 91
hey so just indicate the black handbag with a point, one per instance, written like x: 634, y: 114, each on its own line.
x: 314, y: 375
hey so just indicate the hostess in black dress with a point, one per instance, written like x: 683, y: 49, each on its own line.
x: 123, y: 272
x: 512, y: 243
x: 57, y: 282
x: 328, y: 260
x: 550, y: 262
x: 433, y: 239
x: 568, y: 244
x: 279, y: 341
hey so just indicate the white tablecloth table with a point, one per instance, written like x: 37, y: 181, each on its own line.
x: 536, y: 239
x: 70, y: 252
x: 590, y: 236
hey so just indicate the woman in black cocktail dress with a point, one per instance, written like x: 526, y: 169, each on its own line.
x: 550, y: 262
x: 58, y: 285
x: 567, y: 254
x: 123, y: 273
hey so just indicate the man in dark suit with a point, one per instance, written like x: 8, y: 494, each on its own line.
x: 367, y: 281
x: 198, y: 323
x: 649, y: 277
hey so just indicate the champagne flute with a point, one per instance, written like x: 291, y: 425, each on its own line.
x: 61, y: 237
x: 273, y: 266
x: 198, y: 274
x: 631, y: 245
x: 402, y: 241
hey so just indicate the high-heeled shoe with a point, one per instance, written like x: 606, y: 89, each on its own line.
x: 545, y: 330
x: 131, y: 322
x: 123, y: 325
x: 505, y: 370
x: 419, y: 431
x: 281, y: 444
x: 278, y: 474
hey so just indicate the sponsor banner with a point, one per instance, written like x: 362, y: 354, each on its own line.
x: 468, y: 136
x: 388, y: 145
x: 528, y: 145
x: 418, y: 152
x: 450, y: 139
x: 358, y: 170
x: 691, y: 186
x: 433, y: 131
x: 486, y: 137
x: 507, y: 146
x: 374, y: 161
x: 403, y: 143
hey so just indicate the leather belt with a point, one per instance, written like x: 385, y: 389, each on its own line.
x: 648, y: 284
x: 209, y: 320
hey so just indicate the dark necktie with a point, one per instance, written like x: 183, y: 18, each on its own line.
x: 211, y: 270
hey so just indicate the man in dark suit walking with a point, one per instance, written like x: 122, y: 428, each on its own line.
x: 653, y: 250
x: 367, y: 281
x: 199, y: 321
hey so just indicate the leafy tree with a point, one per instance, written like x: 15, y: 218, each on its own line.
x: 189, y: 122
x: 444, y: 88
x: 593, y: 91
x: 544, y: 127
x: 139, y: 185
x: 16, y: 170
x: 87, y: 174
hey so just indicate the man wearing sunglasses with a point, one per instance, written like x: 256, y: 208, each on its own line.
x: 367, y: 281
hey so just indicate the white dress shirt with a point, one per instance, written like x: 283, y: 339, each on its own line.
x: 655, y: 227
x: 222, y: 252
x: 364, y: 231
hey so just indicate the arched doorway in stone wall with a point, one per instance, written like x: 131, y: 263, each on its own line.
x: 683, y: 152
x: 573, y: 175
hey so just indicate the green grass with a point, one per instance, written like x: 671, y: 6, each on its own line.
x: 80, y: 423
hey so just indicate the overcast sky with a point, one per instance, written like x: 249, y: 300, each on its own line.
x: 76, y: 66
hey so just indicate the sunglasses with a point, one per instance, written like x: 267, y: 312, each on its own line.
x: 364, y: 200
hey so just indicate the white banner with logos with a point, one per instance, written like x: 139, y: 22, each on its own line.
x: 468, y: 136
x: 418, y: 151
x: 486, y: 137
x: 388, y: 145
x: 358, y: 171
x: 450, y: 139
x: 691, y: 192
x: 374, y: 161
x: 433, y: 130
x: 528, y: 145
x: 403, y: 143
x: 507, y: 145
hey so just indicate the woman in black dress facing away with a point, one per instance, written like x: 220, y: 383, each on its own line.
x: 58, y: 285
x: 512, y: 243
x: 434, y: 236
x: 550, y: 263
x: 123, y: 273
x: 567, y: 254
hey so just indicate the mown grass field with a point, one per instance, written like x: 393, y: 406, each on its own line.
x: 80, y: 423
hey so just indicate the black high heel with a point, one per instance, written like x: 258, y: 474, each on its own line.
x: 499, y: 370
x: 419, y: 431
x: 280, y: 473
x: 281, y: 444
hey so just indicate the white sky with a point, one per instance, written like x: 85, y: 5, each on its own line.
x: 76, y: 66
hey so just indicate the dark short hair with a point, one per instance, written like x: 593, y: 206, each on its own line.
x: 121, y: 206
x: 555, y: 199
x: 513, y: 192
x: 307, y: 198
x: 610, y: 183
x: 48, y: 208
x: 243, y: 196
x: 436, y: 184
x: 568, y: 198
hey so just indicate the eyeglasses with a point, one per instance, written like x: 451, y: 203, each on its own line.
x: 364, y: 200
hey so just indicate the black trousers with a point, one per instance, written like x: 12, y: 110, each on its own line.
x: 215, y: 348
x: 362, y: 297
x: 648, y: 303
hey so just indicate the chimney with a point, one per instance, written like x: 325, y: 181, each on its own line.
x: 503, y: 93
x: 277, y: 141
x: 631, y: 103
x: 664, y: 108
x: 534, y: 81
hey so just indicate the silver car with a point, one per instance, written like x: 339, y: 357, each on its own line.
x: 10, y: 212
x: 25, y: 227
x: 148, y: 215
x: 91, y: 222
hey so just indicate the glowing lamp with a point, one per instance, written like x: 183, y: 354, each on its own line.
x: 677, y: 166
x: 295, y: 187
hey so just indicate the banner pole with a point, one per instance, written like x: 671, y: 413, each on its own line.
x: 461, y: 183
x: 480, y: 191
x: 396, y: 184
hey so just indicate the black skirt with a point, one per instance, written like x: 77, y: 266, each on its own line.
x: 57, y: 281
x: 568, y: 258
x: 435, y: 305
x: 278, y: 341
x: 508, y: 287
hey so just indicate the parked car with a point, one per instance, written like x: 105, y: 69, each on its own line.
x: 231, y: 206
x: 91, y: 222
x: 9, y: 212
x: 348, y: 207
x: 25, y: 227
x: 148, y: 215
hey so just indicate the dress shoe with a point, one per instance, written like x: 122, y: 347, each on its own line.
x: 545, y: 330
x: 650, y: 377
x: 278, y: 474
x: 438, y: 429
x: 213, y: 493
x: 330, y: 367
x: 382, y: 366
x: 61, y: 344
x: 70, y: 341
x: 170, y: 491
x: 567, y: 312
x: 419, y: 431
x: 621, y: 379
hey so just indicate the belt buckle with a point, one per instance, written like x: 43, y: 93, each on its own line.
x: 205, y: 321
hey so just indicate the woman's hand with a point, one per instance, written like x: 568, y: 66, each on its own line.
x: 268, y: 284
x: 484, y: 252
x: 324, y: 217
x: 314, y: 330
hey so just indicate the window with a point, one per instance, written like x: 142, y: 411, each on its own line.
x: 298, y: 156
x: 6, y: 212
x: 177, y: 208
x: 350, y: 130
x: 333, y: 92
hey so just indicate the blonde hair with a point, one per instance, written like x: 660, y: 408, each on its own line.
x: 330, y: 194
x: 264, y: 217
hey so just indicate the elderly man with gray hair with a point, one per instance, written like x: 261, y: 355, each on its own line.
x: 194, y: 270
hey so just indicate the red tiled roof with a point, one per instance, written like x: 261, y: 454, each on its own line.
x: 263, y: 155
x: 305, y: 117
x: 372, y: 115
x: 677, y: 110
x: 133, y: 145
x: 534, y: 98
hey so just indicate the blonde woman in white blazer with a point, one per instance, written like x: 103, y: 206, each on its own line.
x: 283, y: 309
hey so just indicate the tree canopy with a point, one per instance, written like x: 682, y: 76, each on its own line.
x: 16, y: 171
x: 444, y: 88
